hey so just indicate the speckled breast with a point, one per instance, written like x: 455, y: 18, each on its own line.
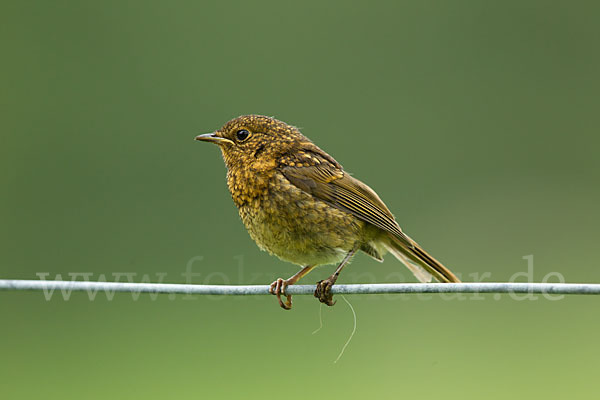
x: 293, y: 225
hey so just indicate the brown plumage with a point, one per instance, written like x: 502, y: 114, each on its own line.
x: 298, y: 203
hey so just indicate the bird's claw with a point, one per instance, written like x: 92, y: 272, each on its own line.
x: 323, y: 291
x: 278, y: 288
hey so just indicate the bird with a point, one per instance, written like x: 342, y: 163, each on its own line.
x: 299, y: 204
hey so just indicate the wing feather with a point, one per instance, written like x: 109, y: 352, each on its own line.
x: 317, y: 173
x: 334, y: 186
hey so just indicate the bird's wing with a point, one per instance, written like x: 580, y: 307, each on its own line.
x: 328, y: 182
x: 320, y: 175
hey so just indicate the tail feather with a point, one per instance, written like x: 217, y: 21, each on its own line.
x: 418, y: 261
x: 419, y: 272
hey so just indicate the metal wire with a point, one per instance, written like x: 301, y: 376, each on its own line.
x: 244, y: 290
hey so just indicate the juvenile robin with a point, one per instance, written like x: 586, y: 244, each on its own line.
x: 299, y: 204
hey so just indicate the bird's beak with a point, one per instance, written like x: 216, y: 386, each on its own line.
x: 212, y: 137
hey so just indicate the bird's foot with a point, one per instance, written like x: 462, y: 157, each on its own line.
x: 278, y: 288
x: 323, y: 291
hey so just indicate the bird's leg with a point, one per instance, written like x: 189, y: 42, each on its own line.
x: 278, y: 287
x: 323, y: 291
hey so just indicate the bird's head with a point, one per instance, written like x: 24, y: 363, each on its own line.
x: 255, y: 141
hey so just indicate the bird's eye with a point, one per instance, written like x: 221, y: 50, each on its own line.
x: 242, y: 135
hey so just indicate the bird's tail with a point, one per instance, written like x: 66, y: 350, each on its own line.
x: 418, y: 261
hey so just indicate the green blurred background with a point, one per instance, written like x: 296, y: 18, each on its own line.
x: 477, y: 123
